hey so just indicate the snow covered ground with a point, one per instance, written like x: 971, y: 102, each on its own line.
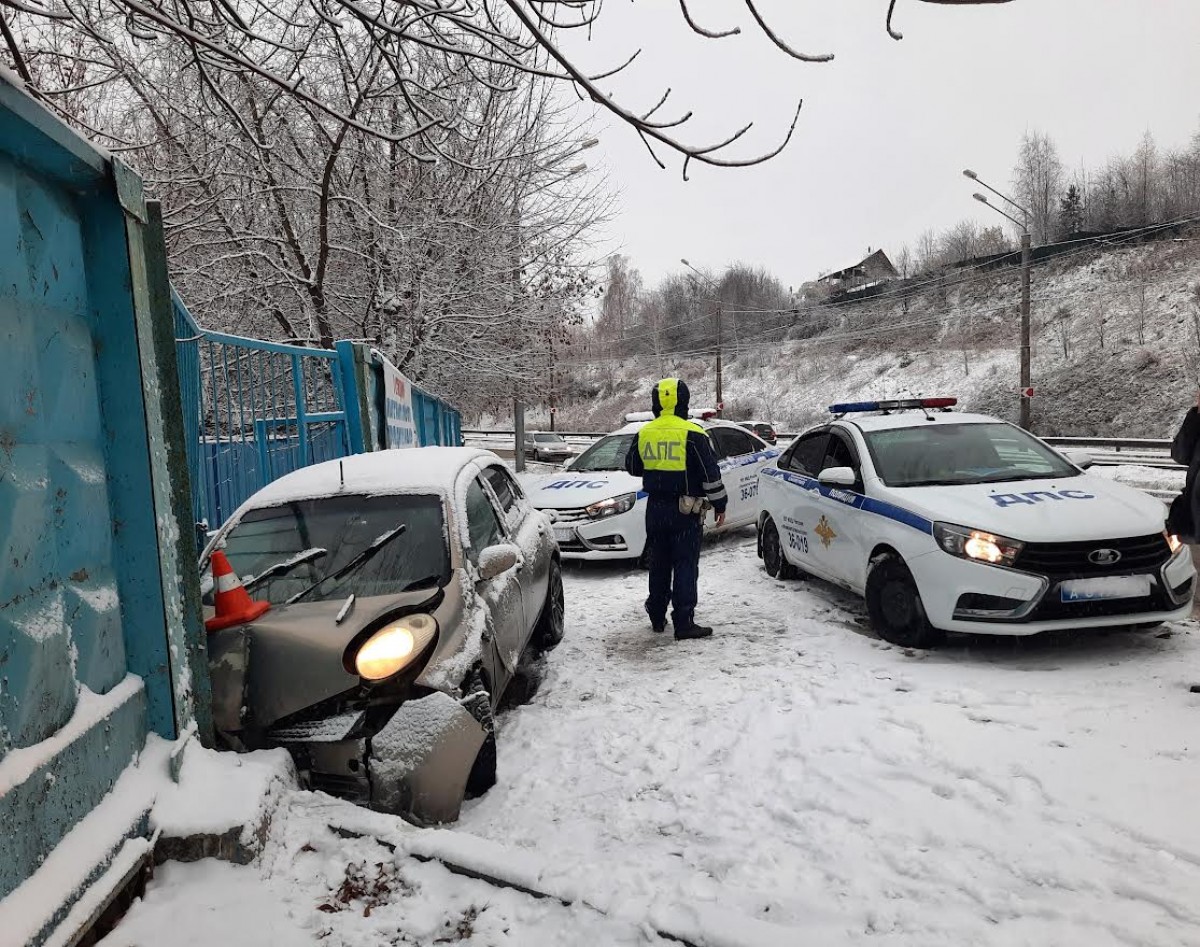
x: 794, y: 770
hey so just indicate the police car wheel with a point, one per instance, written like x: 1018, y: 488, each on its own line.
x: 772, y: 552
x: 895, y: 608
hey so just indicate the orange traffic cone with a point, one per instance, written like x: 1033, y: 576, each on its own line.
x: 234, y: 604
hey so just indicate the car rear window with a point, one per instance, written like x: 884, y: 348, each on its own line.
x: 343, y: 526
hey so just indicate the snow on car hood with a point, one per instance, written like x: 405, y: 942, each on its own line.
x: 571, y: 489
x: 1073, y: 508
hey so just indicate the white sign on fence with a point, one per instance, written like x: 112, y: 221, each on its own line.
x: 398, y: 406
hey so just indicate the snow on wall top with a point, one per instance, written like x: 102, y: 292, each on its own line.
x: 388, y: 471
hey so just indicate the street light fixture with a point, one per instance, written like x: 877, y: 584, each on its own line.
x: 707, y: 279
x: 1026, y: 242
x: 582, y: 146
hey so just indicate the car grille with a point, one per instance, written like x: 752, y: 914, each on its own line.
x: 354, y: 788
x: 570, y: 517
x: 1139, y: 554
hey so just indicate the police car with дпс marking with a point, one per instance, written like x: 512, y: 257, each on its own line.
x: 599, y: 511
x: 962, y: 522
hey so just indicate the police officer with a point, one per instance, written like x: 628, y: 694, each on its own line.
x: 679, y: 471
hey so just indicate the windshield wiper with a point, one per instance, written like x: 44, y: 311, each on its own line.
x: 435, y: 579
x: 285, y: 565
x: 1012, y: 478
x: 353, y: 564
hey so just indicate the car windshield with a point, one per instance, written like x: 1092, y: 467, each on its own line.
x: 608, y: 453
x: 956, y: 454
x: 548, y: 439
x: 345, y: 526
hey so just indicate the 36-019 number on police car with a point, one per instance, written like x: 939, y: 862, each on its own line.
x: 798, y: 541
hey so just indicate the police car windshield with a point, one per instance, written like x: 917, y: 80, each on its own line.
x: 957, y: 454
x: 608, y: 453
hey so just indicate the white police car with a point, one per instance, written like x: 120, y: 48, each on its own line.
x: 961, y: 522
x: 598, y: 511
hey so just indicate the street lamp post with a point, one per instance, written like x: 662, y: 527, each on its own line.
x: 1026, y: 262
x: 720, y: 394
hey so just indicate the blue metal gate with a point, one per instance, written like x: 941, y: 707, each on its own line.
x: 254, y: 411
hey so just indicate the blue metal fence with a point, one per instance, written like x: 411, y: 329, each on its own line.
x: 437, y: 422
x: 254, y: 411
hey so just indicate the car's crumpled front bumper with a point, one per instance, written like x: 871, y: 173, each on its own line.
x: 415, y: 764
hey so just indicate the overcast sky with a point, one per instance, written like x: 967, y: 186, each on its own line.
x: 887, y: 127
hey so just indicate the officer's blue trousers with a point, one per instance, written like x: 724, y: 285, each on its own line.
x: 673, y: 541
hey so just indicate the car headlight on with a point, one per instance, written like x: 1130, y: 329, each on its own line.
x: 612, y: 506
x: 1173, y: 541
x: 394, y: 647
x: 977, y: 545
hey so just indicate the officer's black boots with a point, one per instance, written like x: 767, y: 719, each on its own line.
x: 657, y: 625
x: 692, y: 631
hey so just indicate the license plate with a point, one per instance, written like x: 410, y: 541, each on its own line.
x: 1108, y: 587
x: 563, y: 534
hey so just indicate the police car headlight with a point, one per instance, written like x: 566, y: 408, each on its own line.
x: 977, y: 545
x: 1174, y: 542
x: 611, y: 507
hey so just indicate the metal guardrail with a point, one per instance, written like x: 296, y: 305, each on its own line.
x: 1105, y: 451
x: 1152, y: 448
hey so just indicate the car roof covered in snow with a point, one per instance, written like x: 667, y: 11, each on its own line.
x: 408, y: 470
x: 914, y: 418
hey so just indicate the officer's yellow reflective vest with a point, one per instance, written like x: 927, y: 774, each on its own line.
x: 662, y: 443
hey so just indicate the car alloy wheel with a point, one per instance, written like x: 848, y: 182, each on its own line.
x: 552, y: 623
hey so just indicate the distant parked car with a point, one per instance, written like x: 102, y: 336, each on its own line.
x: 405, y: 587
x: 763, y: 429
x: 547, y: 447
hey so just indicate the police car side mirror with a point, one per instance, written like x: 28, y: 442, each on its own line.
x: 837, y: 477
x: 1080, y: 458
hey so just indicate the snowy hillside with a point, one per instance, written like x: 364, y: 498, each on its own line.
x: 1115, y: 351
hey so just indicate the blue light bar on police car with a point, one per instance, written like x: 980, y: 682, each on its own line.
x: 857, y: 407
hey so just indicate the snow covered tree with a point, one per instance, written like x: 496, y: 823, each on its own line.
x: 1038, y: 177
x: 1070, y: 212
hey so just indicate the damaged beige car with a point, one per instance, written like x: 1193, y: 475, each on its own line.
x: 405, y: 587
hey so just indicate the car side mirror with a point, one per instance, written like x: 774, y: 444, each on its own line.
x: 496, y: 560
x: 1080, y: 458
x: 838, y: 477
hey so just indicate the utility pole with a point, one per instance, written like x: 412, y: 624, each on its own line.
x: 720, y: 395
x: 519, y: 434
x: 1026, y: 384
x: 1026, y: 388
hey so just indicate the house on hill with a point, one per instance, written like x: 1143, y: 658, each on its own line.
x: 876, y: 268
